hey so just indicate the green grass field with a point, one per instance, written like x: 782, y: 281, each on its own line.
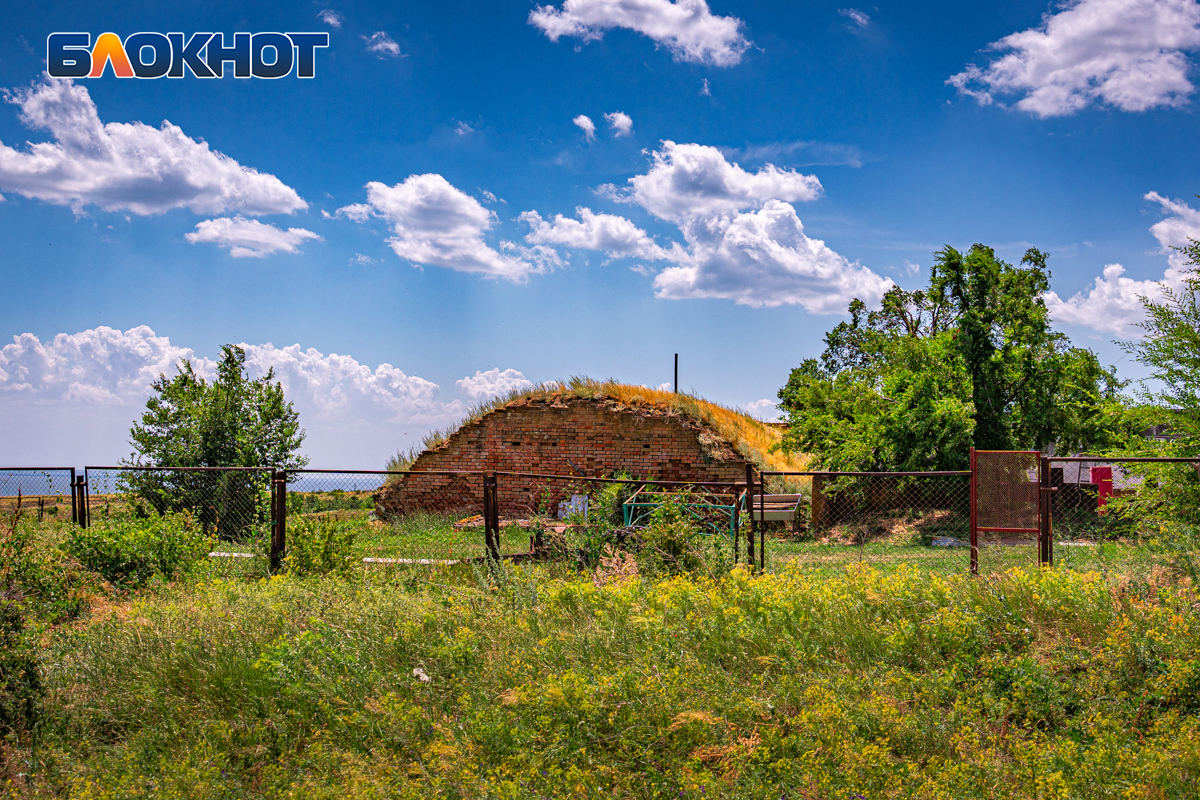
x: 880, y: 670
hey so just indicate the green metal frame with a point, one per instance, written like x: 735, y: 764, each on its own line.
x: 638, y: 508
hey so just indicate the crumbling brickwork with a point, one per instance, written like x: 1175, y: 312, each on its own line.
x: 572, y: 436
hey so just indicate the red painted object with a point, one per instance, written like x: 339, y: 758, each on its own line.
x: 1102, y: 477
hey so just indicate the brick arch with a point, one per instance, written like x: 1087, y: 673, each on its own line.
x: 561, y: 437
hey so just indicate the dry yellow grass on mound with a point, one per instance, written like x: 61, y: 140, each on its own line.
x: 751, y: 438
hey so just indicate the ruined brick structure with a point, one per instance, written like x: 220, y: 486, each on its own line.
x: 561, y: 436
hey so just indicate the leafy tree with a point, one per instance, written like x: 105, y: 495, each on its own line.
x: 1171, y: 349
x: 234, y: 421
x: 970, y: 360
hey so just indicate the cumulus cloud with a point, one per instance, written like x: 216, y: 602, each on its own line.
x: 1128, y: 54
x: 585, y: 124
x: 744, y: 240
x: 101, y: 365
x: 614, y: 235
x: 493, y: 383
x: 128, y: 166
x: 764, y: 258
x: 330, y: 18
x: 249, y: 238
x: 1112, y: 304
x: 438, y: 225
x: 105, y: 365
x: 382, y: 45
x: 338, y: 387
x: 766, y: 410
x: 620, y: 122
x: 694, y: 180
x: 687, y: 28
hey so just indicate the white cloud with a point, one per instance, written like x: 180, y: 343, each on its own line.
x: 621, y: 123
x: 382, y: 45
x: 1177, y: 230
x: 766, y: 410
x: 705, y: 90
x: 585, y: 124
x: 1129, y: 54
x: 355, y: 415
x: 1113, y: 303
x: 128, y: 166
x: 493, y: 383
x: 759, y: 258
x: 764, y: 258
x: 616, y: 236
x: 436, y: 224
x: 330, y: 18
x: 857, y: 17
x: 686, y: 28
x: 693, y: 180
x: 463, y: 128
x: 249, y: 238
x: 338, y: 388
x: 104, y: 365
x: 101, y: 365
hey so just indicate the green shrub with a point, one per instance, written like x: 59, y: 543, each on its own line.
x: 129, y: 551
x: 672, y: 543
x: 317, y: 546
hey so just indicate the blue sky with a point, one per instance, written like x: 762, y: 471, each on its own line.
x: 388, y: 237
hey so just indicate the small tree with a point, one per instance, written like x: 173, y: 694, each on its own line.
x: 234, y: 421
x: 1171, y: 349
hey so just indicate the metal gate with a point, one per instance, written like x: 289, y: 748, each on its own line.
x: 1007, y: 498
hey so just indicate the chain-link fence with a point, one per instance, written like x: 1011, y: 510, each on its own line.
x: 47, y: 492
x: 232, y: 503
x: 818, y: 520
x: 830, y: 519
x: 1098, y: 499
x: 355, y: 501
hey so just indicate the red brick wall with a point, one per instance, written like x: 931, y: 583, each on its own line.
x: 565, y: 438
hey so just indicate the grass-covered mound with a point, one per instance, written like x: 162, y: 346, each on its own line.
x: 1036, y: 683
x: 750, y: 438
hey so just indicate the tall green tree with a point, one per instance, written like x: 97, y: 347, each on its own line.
x: 970, y: 360
x: 232, y: 421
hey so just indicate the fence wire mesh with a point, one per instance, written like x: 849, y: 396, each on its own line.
x: 232, y: 504
x: 1101, y: 499
x: 1007, y: 509
x: 44, y: 491
x: 880, y: 519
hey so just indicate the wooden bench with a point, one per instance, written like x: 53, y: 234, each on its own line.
x: 776, y: 507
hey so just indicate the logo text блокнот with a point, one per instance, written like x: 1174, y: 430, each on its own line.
x: 155, y: 55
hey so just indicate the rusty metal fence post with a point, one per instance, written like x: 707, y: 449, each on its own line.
x: 74, y: 499
x: 278, y: 518
x: 491, y: 518
x: 974, y: 516
x: 1046, y: 526
x: 753, y: 521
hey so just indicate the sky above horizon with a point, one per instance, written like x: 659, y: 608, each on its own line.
x: 473, y: 197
